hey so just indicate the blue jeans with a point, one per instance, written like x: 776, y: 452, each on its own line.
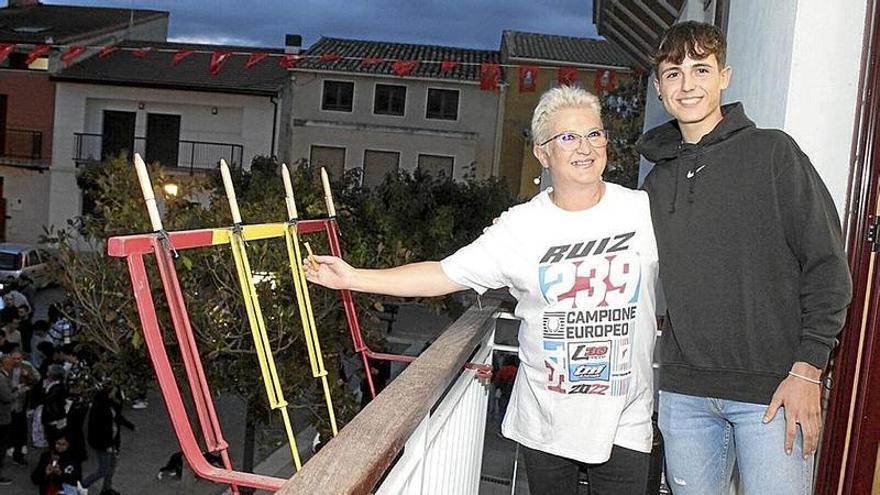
x: 106, y: 469
x: 704, y: 436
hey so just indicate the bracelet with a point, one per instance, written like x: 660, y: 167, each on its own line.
x: 806, y: 378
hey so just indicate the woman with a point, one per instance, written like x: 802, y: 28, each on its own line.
x: 581, y: 260
x: 58, y: 470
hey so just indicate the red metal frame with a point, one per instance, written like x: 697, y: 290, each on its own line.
x: 134, y: 248
x: 849, y: 447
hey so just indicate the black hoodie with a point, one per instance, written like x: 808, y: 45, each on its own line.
x: 751, y: 259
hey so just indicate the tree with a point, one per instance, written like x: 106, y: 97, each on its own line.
x: 408, y: 217
x: 624, y: 116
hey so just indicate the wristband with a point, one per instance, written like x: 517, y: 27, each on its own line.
x: 805, y: 378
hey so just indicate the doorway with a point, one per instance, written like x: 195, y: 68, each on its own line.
x: 117, y: 135
x: 163, y: 139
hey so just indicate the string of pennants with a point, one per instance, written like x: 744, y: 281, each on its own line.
x: 490, y: 73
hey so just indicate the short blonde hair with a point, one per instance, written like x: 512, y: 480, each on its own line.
x: 556, y: 99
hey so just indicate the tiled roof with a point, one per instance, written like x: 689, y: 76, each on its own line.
x: 62, y: 23
x: 554, y: 48
x: 352, y: 53
x: 192, y: 73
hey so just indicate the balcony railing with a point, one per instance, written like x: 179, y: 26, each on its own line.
x: 21, y: 143
x: 424, y: 433
x: 192, y: 155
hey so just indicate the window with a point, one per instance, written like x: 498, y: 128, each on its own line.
x: 33, y: 259
x: 436, y: 165
x: 338, y: 96
x: 10, y: 261
x: 389, y: 100
x: 329, y: 157
x: 163, y: 139
x: 378, y: 164
x: 442, y: 104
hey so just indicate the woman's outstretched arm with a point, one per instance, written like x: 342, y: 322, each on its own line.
x: 423, y: 279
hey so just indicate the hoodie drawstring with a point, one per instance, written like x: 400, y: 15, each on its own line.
x: 675, y: 186
x: 692, y: 177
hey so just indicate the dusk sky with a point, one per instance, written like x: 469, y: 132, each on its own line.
x: 466, y: 23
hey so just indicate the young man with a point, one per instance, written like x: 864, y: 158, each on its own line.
x: 755, y: 276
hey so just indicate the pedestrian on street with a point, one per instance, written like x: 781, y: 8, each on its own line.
x: 105, y: 434
x: 8, y: 395
x: 58, y: 471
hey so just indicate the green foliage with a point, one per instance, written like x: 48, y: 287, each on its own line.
x: 624, y: 115
x: 407, y: 218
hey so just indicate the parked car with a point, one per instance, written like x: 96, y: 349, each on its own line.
x: 24, y: 265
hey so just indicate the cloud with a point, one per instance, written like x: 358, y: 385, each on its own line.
x: 214, y: 39
x: 465, y: 23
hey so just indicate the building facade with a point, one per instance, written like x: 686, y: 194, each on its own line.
x: 345, y: 113
x: 178, y: 115
x: 27, y: 97
x: 594, y: 64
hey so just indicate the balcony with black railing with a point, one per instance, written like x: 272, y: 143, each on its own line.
x: 181, y: 154
x: 21, y: 143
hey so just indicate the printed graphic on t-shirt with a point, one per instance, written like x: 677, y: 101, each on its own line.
x: 592, y: 291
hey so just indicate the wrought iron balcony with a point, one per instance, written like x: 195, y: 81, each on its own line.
x: 21, y: 143
x: 191, y: 155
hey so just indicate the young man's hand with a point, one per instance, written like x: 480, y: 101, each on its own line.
x: 800, y: 401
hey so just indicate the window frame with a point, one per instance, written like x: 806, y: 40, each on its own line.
x: 324, y: 93
x: 457, y: 104
x: 388, y: 114
x: 376, y: 150
x: 344, y: 156
x: 438, y: 155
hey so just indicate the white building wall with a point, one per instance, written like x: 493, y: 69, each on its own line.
x: 823, y: 87
x: 240, y: 119
x: 470, y: 139
x: 25, y: 192
x: 796, y: 68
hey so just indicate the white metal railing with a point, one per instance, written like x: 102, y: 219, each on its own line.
x: 445, y: 452
x: 424, y: 433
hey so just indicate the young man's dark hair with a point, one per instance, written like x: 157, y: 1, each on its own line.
x: 755, y: 278
x: 690, y: 39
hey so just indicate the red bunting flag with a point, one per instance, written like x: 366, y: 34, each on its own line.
x: 35, y: 53
x: 290, y: 60
x: 447, y: 66
x: 326, y: 58
x: 71, y: 53
x: 254, y: 59
x: 528, y: 78
x: 5, y: 50
x: 107, y: 51
x: 218, y: 59
x: 372, y: 60
x: 489, y: 76
x: 404, y: 68
x: 141, y: 52
x: 179, y: 55
x: 568, y: 76
x: 606, y: 80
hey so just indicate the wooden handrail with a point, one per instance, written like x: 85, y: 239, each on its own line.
x: 354, y: 461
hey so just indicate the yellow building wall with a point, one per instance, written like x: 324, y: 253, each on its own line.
x: 517, y: 165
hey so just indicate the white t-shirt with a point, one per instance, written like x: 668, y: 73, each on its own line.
x: 584, y: 282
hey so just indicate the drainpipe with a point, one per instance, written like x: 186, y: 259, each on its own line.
x: 274, y: 100
x: 499, y: 130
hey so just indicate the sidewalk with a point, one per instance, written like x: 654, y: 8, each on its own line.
x: 147, y: 449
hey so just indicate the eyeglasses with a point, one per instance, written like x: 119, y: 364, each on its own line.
x: 570, y: 141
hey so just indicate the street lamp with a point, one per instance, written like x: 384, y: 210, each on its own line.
x: 170, y: 189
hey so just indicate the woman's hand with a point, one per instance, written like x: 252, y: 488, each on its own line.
x: 329, y: 271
